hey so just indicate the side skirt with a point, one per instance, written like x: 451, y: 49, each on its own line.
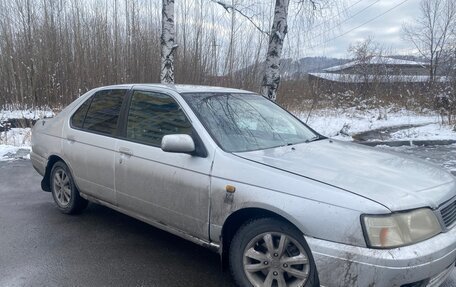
x: 212, y: 246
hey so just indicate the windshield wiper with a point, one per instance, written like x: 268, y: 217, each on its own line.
x: 316, y: 138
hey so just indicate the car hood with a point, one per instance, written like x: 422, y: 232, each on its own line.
x: 396, y: 181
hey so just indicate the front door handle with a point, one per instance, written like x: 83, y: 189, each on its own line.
x: 125, y: 151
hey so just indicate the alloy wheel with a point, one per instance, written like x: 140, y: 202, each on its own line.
x: 276, y: 259
x: 62, y: 187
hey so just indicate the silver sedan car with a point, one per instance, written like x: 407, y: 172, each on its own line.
x: 232, y: 171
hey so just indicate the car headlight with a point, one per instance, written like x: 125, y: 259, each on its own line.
x: 399, y: 229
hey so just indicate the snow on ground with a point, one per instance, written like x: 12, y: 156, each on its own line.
x: 8, y: 152
x: 336, y: 123
x: 19, y: 137
x: 343, y: 124
x: 428, y: 132
x: 25, y: 114
x: 13, y: 141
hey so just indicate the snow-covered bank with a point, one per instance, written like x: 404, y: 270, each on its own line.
x: 339, y: 124
x: 19, y: 137
x: 427, y: 132
x: 8, y: 152
x: 16, y: 141
x: 25, y: 114
x: 343, y: 124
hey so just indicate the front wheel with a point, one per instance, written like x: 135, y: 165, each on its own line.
x: 270, y: 252
x: 64, y: 191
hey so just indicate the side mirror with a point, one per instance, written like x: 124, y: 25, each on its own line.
x: 179, y: 143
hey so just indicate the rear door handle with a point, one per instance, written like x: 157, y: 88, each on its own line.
x: 71, y: 138
x: 125, y: 151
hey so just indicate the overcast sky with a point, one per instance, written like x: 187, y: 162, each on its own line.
x: 387, y: 29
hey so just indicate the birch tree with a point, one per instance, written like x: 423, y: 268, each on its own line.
x: 271, y: 78
x: 167, y: 43
x: 279, y: 29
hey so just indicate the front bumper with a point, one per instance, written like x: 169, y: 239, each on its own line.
x: 346, y: 265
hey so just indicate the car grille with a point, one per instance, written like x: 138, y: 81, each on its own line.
x: 449, y: 214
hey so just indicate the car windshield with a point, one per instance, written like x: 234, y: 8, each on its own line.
x: 246, y: 122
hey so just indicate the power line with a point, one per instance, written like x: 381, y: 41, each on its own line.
x: 332, y: 18
x: 359, y: 26
x: 349, y: 18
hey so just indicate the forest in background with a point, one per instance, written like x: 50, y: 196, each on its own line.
x: 52, y: 51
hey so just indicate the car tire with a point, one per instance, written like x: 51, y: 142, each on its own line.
x: 64, y: 191
x: 271, y: 252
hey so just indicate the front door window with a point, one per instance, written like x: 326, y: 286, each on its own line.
x: 153, y: 115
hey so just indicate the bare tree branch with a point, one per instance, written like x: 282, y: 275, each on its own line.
x: 228, y: 7
x: 431, y: 34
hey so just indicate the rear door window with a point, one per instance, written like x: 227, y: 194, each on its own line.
x: 103, y: 114
x: 153, y: 115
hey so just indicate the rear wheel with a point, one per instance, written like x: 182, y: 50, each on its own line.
x: 270, y: 252
x: 64, y: 191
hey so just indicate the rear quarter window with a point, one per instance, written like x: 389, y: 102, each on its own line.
x: 77, y: 120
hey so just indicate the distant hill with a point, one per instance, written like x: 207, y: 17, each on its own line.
x: 296, y: 69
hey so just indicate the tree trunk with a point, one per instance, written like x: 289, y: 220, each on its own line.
x: 167, y: 43
x: 271, y: 78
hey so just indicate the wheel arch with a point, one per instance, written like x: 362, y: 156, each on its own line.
x: 238, y: 218
x: 45, y: 182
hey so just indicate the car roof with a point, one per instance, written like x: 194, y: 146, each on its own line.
x: 181, y: 88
